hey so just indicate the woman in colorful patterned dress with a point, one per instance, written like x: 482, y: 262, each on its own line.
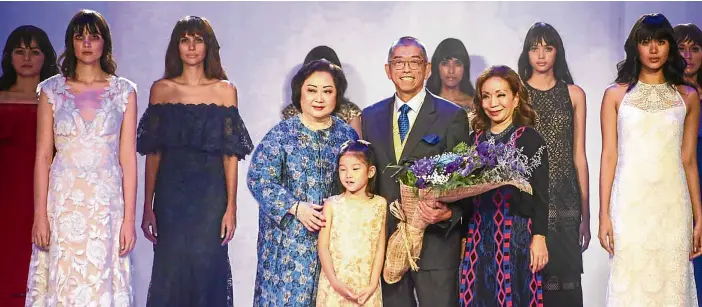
x: 649, y: 183
x: 560, y: 105
x: 27, y: 59
x: 292, y: 171
x: 84, y: 196
x: 506, y: 239
x: 348, y: 111
x: 689, y: 39
x: 193, y: 138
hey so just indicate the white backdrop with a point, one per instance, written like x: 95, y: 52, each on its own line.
x: 263, y: 43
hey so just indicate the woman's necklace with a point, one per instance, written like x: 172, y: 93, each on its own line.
x: 492, y: 137
x: 316, y: 126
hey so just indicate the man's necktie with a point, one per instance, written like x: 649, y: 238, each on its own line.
x: 403, y: 122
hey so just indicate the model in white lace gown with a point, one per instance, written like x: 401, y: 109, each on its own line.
x: 650, y: 204
x: 85, y: 204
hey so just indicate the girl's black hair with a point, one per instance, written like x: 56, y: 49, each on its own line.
x: 365, y: 151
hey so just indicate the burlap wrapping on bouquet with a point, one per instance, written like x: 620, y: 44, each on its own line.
x: 405, y: 244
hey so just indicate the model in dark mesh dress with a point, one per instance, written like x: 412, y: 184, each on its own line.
x: 560, y: 108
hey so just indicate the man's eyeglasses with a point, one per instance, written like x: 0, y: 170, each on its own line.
x: 400, y: 64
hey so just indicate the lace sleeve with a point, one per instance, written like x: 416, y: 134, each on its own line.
x: 48, y: 88
x: 125, y: 87
x: 148, y: 131
x: 235, y: 137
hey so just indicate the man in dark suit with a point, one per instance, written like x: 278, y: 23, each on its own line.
x: 410, y: 125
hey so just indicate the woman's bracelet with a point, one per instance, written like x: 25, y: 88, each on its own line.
x: 297, y: 206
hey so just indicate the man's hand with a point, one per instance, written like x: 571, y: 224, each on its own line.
x: 434, y: 212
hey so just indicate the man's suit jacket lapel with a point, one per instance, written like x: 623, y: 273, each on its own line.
x: 384, y: 120
x: 425, y: 119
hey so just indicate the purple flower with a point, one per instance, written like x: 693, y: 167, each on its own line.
x: 453, y: 166
x: 423, y: 167
x: 500, y: 149
x: 483, y: 149
x: 421, y: 183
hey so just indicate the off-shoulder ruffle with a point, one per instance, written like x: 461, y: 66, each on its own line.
x: 206, y: 127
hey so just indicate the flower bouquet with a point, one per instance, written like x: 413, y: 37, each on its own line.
x: 462, y: 172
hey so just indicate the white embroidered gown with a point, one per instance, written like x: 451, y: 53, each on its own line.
x: 85, y: 203
x: 650, y: 204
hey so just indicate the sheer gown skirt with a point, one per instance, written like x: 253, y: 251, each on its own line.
x: 82, y: 266
x: 652, y: 243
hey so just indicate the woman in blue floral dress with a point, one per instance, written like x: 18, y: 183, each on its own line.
x: 292, y: 171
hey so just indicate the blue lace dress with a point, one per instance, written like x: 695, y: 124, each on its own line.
x: 190, y: 267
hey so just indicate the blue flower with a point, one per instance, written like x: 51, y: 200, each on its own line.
x: 447, y: 158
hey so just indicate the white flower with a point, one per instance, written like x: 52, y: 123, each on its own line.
x: 97, y: 252
x: 74, y: 226
x: 105, y: 300
x: 65, y: 127
x: 82, y: 296
x: 111, y: 123
x: 87, y: 158
x: 122, y: 299
x: 77, y: 197
x: 103, y: 194
x: 438, y: 179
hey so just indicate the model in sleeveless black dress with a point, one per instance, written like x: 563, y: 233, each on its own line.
x: 555, y: 122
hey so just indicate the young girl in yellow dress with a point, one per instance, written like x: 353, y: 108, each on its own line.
x: 352, y: 245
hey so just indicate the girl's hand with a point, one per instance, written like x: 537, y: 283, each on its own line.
x: 310, y: 216
x: 539, y: 253
x: 345, y: 291
x: 366, y: 293
x: 148, y: 225
x: 41, y: 232
x: 127, y: 238
x: 228, y: 226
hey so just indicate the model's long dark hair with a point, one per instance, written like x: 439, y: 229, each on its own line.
x: 651, y: 27
x: 95, y: 23
x: 192, y: 25
x: 690, y: 33
x: 450, y: 48
x: 25, y: 35
x: 542, y: 32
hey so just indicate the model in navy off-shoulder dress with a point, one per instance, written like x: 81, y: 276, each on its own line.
x: 191, y: 267
x: 495, y: 268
